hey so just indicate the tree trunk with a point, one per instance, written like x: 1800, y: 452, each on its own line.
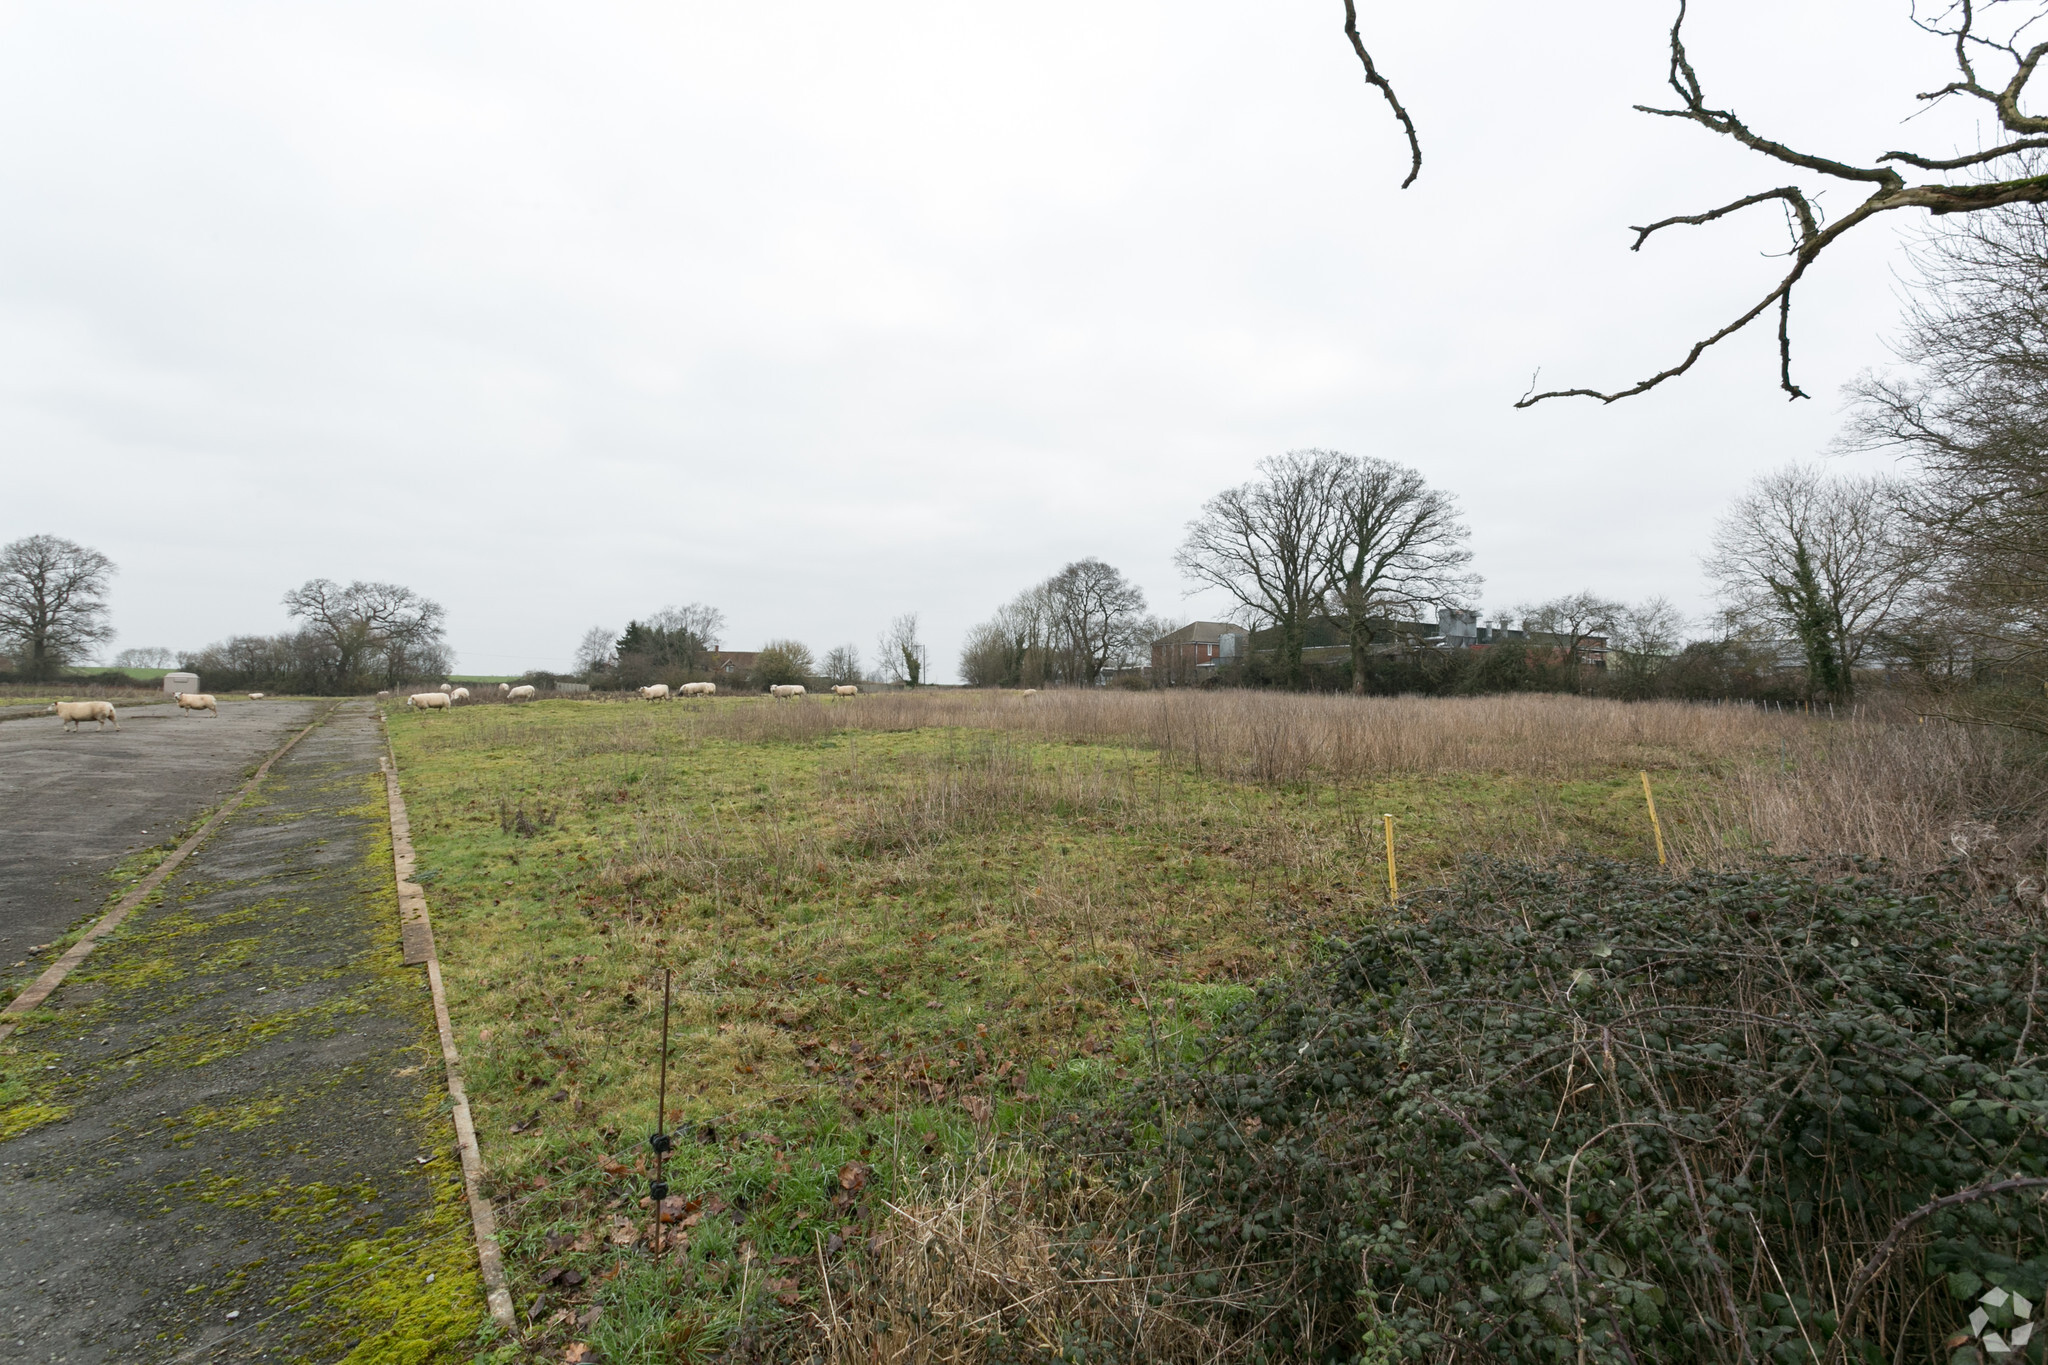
x: 1292, y: 633
x: 1361, y: 643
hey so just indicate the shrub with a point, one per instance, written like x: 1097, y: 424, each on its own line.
x: 1604, y: 1115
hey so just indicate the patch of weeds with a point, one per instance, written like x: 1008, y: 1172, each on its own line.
x: 886, y: 945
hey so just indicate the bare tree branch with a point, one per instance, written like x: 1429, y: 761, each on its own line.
x: 1789, y: 193
x: 1889, y: 189
x: 1374, y: 78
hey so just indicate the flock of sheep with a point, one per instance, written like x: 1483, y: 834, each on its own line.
x: 449, y: 694
x: 661, y: 691
x: 71, y: 714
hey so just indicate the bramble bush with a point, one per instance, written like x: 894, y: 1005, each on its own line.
x: 1599, y: 1114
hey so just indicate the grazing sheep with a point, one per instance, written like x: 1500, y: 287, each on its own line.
x: 698, y: 689
x: 1028, y: 692
x: 658, y: 692
x: 846, y: 690
x: 382, y: 695
x: 255, y: 696
x: 459, y: 694
x: 72, y: 712
x: 786, y: 690
x: 504, y: 688
x: 524, y: 692
x: 430, y: 701
x: 197, y: 701
x: 446, y: 688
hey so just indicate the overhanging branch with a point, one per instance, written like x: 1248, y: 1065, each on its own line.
x: 1385, y: 87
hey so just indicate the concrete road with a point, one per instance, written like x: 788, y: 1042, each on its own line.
x: 73, y: 805
x: 223, y: 1138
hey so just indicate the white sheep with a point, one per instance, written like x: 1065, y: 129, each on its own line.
x: 655, y: 692
x: 70, y: 713
x: 430, y: 701
x: 698, y: 689
x: 524, y: 692
x: 197, y: 701
x: 1028, y: 692
x: 459, y: 694
x: 255, y: 696
x: 846, y: 690
x: 504, y: 688
x: 446, y: 688
x: 382, y: 695
x: 786, y: 690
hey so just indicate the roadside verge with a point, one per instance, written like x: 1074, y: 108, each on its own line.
x: 417, y: 935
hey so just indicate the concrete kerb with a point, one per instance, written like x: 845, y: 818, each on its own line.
x: 417, y: 934
x: 39, y: 990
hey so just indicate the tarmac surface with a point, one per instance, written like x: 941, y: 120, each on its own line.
x: 73, y: 805
x: 222, y: 1138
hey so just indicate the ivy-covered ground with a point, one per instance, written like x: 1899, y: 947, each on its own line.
x: 224, y: 1138
x: 883, y: 946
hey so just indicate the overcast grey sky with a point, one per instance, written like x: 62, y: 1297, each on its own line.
x: 822, y: 313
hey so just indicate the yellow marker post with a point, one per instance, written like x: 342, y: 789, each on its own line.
x: 1656, y: 826
x: 1393, y: 881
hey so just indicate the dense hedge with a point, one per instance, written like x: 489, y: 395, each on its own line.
x: 1602, y: 1115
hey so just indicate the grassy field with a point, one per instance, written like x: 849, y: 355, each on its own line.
x: 898, y: 925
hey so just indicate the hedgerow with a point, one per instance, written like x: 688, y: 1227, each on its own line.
x: 1599, y: 1114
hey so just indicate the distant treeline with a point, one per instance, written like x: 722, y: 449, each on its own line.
x: 1730, y: 670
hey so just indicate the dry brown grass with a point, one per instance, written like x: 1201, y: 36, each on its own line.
x: 1290, y: 737
x: 993, y: 1263
x: 1878, y: 784
x: 1919, y: 796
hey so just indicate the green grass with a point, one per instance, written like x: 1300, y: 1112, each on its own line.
x: 882, y: 944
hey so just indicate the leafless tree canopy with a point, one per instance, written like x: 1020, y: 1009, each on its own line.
x: 1828, y: 561
x: 1641, y: 639
x: 1069, y: 630
x: 53, y: 605
x: 380, y: 631
x: 1970, y: 409
x: 1267, y: 544
x: 597, y: 650
x: 842, y: 664
x: 1396, y: 548
x: 705, y: 624
x: 1994, y: 62
x: 1576, y: 618
x: 903, y: 655
x: 1319, y: 532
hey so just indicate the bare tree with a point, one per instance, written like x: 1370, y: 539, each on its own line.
x: 149, y: 656
x: 53, y: 605
x: 1576, y: 619
x: 1641, y: 639
x: 705, y: 624
x: 842, y: 664
x: 675, y: 641
x: 903, y: 655
x: 1396, y: 546
x: 372, y: 629
x: 597, y: 650
x: 1827, y: 560
x: 1980, y: 33
x: 1266, y: 543
x: 1971, y: 410
x: 1097, y: 615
